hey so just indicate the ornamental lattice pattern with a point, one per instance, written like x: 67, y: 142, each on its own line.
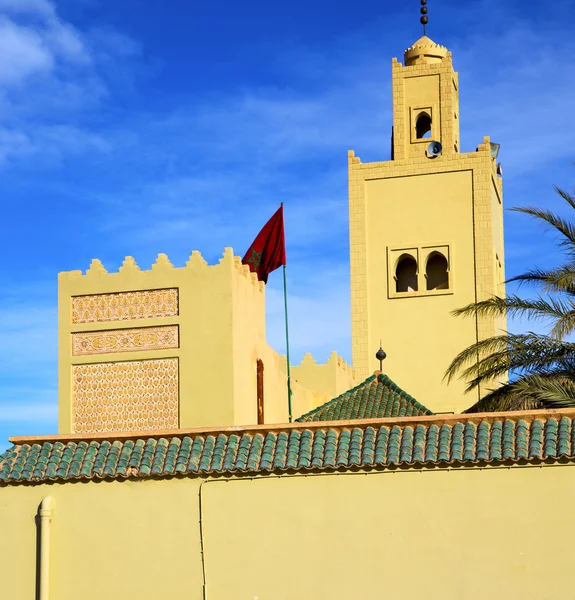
x: 125, y: 396
x: 125, y: 340
x: 124, y: 306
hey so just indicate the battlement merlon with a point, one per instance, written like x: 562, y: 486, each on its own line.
x: 445, y: 61
x: 334, y: 361
x: 130, y: 277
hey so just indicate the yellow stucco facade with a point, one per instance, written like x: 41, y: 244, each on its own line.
x: 333, y: 377
x: 413, y: 215
x: 174, y: 347
x: 436, y: 534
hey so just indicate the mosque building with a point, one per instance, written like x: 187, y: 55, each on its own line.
x: 178, y: 472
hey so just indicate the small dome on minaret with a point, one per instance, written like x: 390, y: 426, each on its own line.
x: 424, y: 51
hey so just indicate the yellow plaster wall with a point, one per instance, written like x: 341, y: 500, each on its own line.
x: 465, y: 533
x: 221, y: 321
x: 419, y: 333
x: 412, y: 199
x: 460, y: 534
x: 334, y: 377
x: 248, y: 334
x: 129, y: 540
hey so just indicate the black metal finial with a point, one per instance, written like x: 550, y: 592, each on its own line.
x: 381, y: 356
x: 423, y: 10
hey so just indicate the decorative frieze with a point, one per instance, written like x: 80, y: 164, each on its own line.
x: 125, y: 340
x: 125, y: 396
x: 125, y: 306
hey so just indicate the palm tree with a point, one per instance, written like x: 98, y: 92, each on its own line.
x: 541, y: 366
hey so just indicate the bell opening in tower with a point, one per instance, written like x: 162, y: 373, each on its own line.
x: 423, y: 126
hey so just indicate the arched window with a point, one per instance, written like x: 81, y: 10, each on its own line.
x: 423, y: 126
x: 436, y: 272
x: 406, y: 274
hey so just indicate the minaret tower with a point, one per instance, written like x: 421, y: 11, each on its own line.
x: 426, y: 235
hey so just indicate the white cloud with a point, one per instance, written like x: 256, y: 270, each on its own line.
x: 515, y: 89
x: 14, y: 142
x: 50, y: 143
x: 109, y: 43
x: 66, y: 41
x: 49, y: 79
x: 32, y: 47
x: 22, y: 53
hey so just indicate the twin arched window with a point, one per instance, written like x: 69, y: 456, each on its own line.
x: 436, y: 273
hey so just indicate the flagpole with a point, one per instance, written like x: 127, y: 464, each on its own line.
x: 287, y: 347
x: 287, y: 344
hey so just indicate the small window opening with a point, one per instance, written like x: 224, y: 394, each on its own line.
x: 436, y: 272
x: 406, y: 274
x: 423, y: 126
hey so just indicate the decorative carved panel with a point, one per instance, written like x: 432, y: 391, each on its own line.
x: 124, y: 306
x: 125, y: 396
x: 125, y: 340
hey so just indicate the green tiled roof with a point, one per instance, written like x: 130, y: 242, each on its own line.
x: 375, y: 444
x: 375, y: 398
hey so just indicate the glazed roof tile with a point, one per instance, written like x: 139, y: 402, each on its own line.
x: 414, y: 442
x: 377, y: 397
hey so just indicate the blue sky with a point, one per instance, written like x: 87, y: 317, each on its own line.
x: 133, y: 128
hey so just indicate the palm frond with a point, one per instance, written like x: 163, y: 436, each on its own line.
x: 470, y: 354
x: 560, y: 311
x: 553, y: 221
x: 552, y: 392
x: 565, y: 195
x: 492, y: 358
x: 534, y: 391
x: 558, y: 281
x: 504, y: 398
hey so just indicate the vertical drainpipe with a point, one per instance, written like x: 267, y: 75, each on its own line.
x: 46, y: 509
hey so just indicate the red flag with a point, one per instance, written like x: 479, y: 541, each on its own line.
x: 268, y: 251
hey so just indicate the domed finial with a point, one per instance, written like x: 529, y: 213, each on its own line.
x: 423, y: 10
x: 381, y: 356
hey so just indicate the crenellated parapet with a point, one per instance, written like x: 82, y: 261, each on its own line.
x: 156, y: 348
x: 228, y: 263
x: 333, y: 377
